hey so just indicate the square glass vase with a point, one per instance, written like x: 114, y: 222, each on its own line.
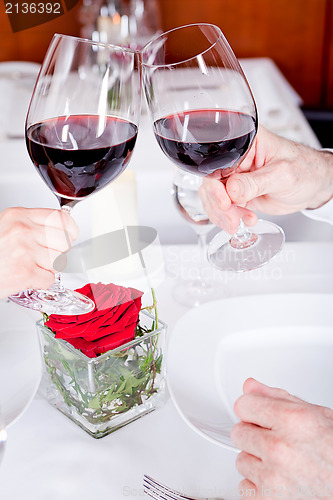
x: 105, y: 393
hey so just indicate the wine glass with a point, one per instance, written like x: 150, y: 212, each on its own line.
x: 185, y: 194
x: 81, y: 129
x: 205, y: 120
x: 128, y: 23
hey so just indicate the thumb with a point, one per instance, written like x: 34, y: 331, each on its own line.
x: 244, y: 187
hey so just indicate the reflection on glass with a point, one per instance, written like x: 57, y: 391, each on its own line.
x: 185, y: 193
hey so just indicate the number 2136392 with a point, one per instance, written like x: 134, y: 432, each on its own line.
x: 33, y: 8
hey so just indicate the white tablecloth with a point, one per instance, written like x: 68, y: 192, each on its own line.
x: 49, y: 457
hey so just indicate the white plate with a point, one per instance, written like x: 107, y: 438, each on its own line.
x: 20, y: 362
x: 283, y: 340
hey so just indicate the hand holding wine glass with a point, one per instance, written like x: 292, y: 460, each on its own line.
x: 276, y: 177
x: 81, y: 129
x: 31, y: 241
x: 205, y: 120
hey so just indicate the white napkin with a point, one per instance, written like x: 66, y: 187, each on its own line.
x: 17, y: 80
x: 274, y: 111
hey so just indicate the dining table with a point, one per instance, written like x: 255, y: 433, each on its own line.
x: 47, y: 456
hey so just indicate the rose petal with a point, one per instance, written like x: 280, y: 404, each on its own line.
x: 110, y: 324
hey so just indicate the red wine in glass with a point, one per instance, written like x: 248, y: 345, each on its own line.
x: 205, y: 140
x: 74, y: 159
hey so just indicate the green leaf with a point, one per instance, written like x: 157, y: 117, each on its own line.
x: 158, y: 363
x: 94, y: 403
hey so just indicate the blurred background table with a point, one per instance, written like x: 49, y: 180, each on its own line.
x: 142, y: 195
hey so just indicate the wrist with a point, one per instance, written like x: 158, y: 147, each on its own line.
x: 323, y: 173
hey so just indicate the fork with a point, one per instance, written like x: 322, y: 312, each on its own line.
x: 158, y: 491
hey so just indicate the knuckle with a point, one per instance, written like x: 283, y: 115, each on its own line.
x: 12, y: 212
x: 54, y: 218
x: 20, y: 231
x: 299, y: 415
x: 240, y: 461
x: 21, y: 226
x: 237, y: 432
x: 252, y: 186
x: 240, y: 408
x: 277, y: 450
x: 281, y: 393
x: 326, y: 412
x: 234, y: 434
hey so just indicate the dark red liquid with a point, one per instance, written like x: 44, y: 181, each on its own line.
x: 202, y: 141
x: 76, y: 155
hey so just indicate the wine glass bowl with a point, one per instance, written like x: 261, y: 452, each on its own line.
x: 81, y: 130
x: 205, y: 120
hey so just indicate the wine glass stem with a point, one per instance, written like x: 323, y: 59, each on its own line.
x: 202, y: 242
x: 243, y: 238
x: 57, y: 285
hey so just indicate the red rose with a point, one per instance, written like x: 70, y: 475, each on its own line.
x: 111, y: 324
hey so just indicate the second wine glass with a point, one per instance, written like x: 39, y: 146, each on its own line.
x: 205, y: 120
x: 185, y: 192
x: 81, y: 129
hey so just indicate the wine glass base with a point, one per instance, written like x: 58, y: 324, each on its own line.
x: 194, y: 293
x: 222, y: 255
x: 65, y: 302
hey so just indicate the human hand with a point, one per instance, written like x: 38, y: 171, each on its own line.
x: 30, y: 242
x: 277, y: 176
x: 286, y: 443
